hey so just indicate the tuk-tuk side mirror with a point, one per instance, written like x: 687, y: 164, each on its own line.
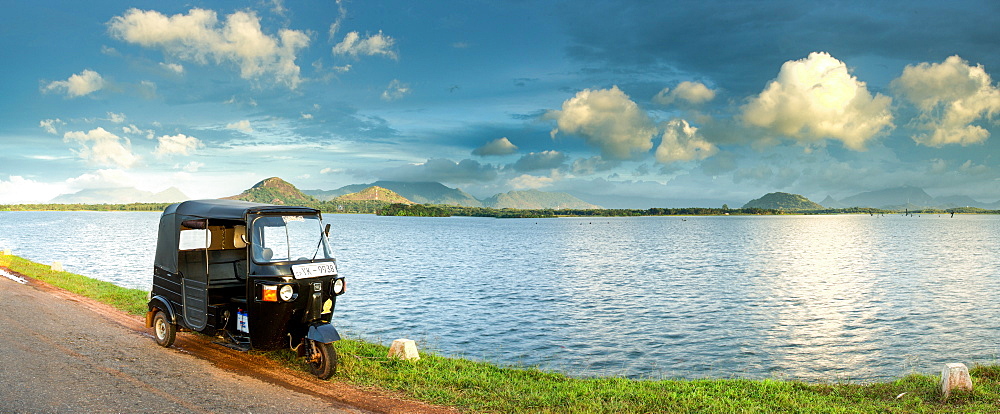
x: 326, y: 231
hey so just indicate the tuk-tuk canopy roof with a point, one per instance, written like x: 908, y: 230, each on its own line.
x: 229, y: 209
x: 215, y: 209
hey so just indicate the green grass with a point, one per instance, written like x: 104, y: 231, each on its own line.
x: 483, y: 387
x: 480, y: 386
x: 132, y: 301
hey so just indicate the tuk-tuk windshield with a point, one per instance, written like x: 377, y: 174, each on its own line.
x: 289, y: 239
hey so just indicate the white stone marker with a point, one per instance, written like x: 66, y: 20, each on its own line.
x: 7, y: 252
x: 57, y: 267
x: 955, y: 376
x: 404, y: 349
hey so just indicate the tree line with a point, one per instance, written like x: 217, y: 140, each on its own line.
x: 438, y: 210
x: 85, y: 207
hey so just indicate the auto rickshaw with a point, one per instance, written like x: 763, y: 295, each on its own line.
x: 259, y: 276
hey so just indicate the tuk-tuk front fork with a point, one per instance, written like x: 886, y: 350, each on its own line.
x: 317, y: 349
x: 316, y: 346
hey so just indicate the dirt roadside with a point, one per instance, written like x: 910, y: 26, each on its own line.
x: 62, y: 352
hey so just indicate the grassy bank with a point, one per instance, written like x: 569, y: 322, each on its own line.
x: 483, y: 387
x: 129, y: 300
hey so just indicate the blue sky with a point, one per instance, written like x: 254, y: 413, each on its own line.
x: 624, y: 104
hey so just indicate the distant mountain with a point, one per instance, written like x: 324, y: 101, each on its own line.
x: 327, y: 195
x: 273, y: 191
x: 534, y: 199
x: 908, y: 197
x: 123, y: 195
x: 958, y: 201
x: 374, y: 193
x: 437, y: 193
x: 783, y: 201
x: 418, y: 192
x: 891, y: 197
x: 170, y: 195
x: 829, y: 202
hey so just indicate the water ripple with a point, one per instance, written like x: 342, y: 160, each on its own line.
x: 842, y: 298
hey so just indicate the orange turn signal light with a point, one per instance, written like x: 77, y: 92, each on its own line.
x: 269, y: 294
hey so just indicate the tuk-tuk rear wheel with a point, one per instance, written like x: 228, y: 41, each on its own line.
x: 164, y: 332
x: 322, y: 359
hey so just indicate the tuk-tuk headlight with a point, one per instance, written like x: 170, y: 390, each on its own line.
x: 339, y: 285
x: 287, y: 293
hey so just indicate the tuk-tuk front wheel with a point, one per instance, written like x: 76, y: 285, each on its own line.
x: 322, y: 359
x: 163, y: 331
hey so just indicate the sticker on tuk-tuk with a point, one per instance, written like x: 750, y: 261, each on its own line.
x: 308, y: 270
x: 289, y: 219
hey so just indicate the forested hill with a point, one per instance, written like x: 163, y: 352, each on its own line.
x: 783, y: 201
x: 374, y: 193
x: 274, y: 191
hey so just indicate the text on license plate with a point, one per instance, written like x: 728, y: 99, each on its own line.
x: 303, y: 271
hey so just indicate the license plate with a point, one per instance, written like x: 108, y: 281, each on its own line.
x: 305, y: 271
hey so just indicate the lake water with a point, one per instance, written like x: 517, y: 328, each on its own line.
x: 828, y: 298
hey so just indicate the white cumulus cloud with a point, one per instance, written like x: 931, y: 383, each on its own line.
x: 607, y: 119
x: 102, y: 147
x: 131, y: 129
x: 199, y: 36
x: 375, y: 45
x: 49, y: 125
x: 103, y: 178
x: 193, y: 166
x: 81, y: 84
x: 242, y: 126
x: 691, y: 92
x: 681, y: 142
x: 19, y: 190
x: 116, y: 117
x: 499, y: 146
x: 395, y: 90
x: 531, y: 182
x: 817, y: 98
x: 173, y: 67
x: 950, y: 95
x: 179, y: 144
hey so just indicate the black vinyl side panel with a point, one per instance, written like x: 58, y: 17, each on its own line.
x: 171, y: 287
x: 194, y: 288
x: 168, y: 285
x: 195, y: 303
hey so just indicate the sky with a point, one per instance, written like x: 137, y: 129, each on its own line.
x: 625, y: 104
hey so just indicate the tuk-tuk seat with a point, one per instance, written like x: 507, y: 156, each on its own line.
x: 226, y: 267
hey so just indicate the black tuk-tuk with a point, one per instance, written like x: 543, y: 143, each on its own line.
x: 261, y: 276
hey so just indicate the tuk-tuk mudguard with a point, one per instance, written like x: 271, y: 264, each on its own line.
x: 163, y: 304
x: 323, y: 332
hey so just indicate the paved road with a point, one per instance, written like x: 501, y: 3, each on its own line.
x: 58, y: 354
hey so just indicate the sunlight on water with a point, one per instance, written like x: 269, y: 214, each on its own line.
x: 834, y: 298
